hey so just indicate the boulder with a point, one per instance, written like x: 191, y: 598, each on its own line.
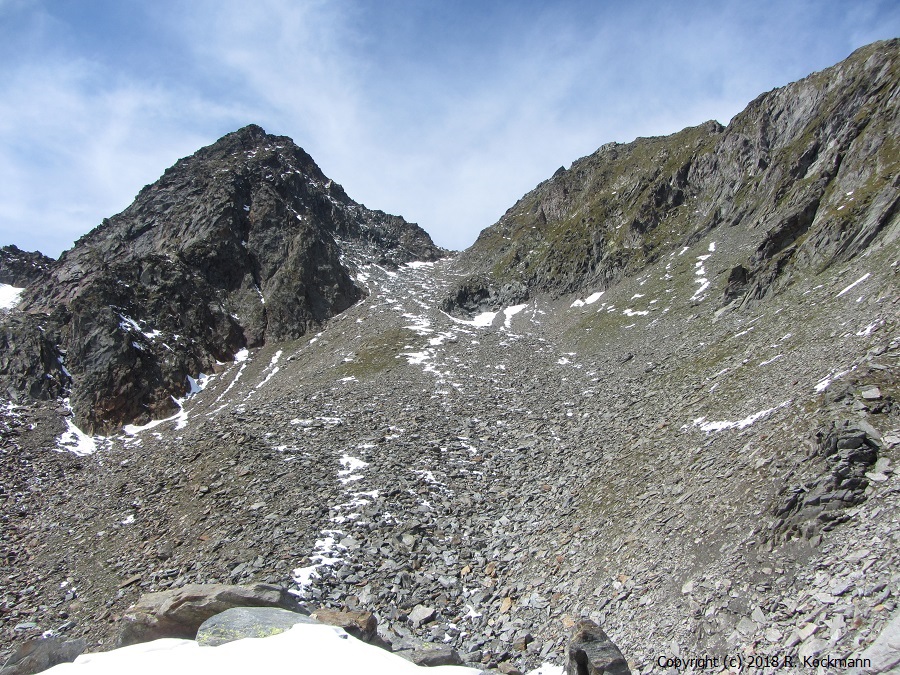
x: 361, y: 625
x: 178, y: 613
x: 39, y: 654
x: 238, y: 623
x: 432, y: 655
x: 591, y: 652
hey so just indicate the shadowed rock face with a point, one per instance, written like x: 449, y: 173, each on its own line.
x: 20, y: 268
x: 808, y: 172
x: 238, y: 245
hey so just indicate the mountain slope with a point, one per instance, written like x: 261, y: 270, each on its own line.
x: 243, y: 243
x: 808, y: 173
x: 698, y: 479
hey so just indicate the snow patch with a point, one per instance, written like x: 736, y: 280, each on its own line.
x: 9, y: 296
x: 305, y: 648
x: 854, y: 284
x: 76, y: 441
x: 739, y: 424
x: 509, y: 313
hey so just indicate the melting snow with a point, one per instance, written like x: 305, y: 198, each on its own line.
x: 740, y: 424
x: 180, y: 418
x: 199, y: 384
x: 510, y: 312
x: 9, y: 296
x: 76, y: 441
x: 242, y: 355
x: 589, y: 300
x: 855, y: 283
x: 274, y: 368
x: 481, y: 321
x: 871, y: 328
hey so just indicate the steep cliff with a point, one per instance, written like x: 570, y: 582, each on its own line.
x: 243, y: 243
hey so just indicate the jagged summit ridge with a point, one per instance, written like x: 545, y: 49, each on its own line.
x: 244, y: 242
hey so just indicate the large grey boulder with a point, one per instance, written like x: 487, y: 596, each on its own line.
x: 238, y: 623
x: 39, y: 654
x: 179, y: 613
x: 591, y: 652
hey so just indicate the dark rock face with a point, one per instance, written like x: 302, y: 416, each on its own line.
x: 243, y: 243
x: 479, y: 294
x: 591, y: 652
x: 808, y: 171
x: 20, y: 268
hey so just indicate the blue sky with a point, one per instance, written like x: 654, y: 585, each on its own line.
x: 443, y: 112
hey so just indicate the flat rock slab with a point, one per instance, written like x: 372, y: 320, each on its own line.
x: 179, y: 613
x: 238, y: 623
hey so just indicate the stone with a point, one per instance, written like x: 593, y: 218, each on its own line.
x: 179, y: 613
x: 429, y: 655
x: 870, y: 393
x: 421, y: 614
x: 591, y: 652
x: 238, y: 623
x: 361, y: 625
x: 39, y: 654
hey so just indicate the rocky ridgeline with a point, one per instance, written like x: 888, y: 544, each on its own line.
x: 808, y: 172
x: 698, y: 480
x: 20, y: 268
x: 235, y: 246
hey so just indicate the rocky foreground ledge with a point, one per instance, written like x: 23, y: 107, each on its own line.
x: 216, y: 614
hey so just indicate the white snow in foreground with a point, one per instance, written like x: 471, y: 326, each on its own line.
x: 419, y: 263
x: 242, y: 355
x: 739, y: 424
x: 854, y: 284
x: 509, y: 313
x: 274, y: 368
x: 76, y: 441
x: 306, y: 648
x: 9, y: 296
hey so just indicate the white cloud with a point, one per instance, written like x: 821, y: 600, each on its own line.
x: 430, y: 112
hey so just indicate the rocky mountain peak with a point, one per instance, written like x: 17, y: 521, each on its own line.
x: 244, y: 242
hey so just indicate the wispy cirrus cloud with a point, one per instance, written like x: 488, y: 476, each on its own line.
x: 445, y: 113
